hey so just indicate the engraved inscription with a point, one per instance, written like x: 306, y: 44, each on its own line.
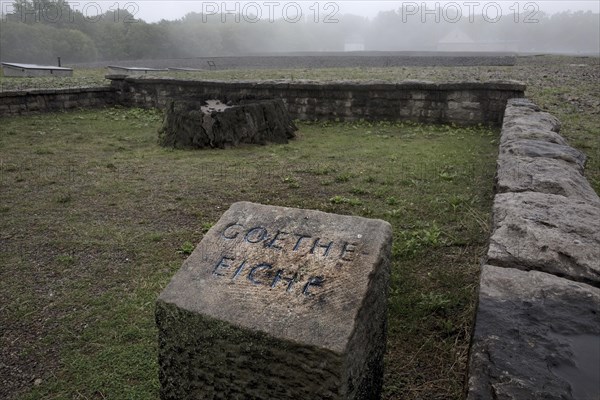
x: 290, y: 241
x: 265, y: 274
x: 286, y: 278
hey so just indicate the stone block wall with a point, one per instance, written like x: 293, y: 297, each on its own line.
x: 467, y: 103
x: 537, y: 329
x: 47, y: 100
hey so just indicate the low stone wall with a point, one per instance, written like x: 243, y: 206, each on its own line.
x: 467, y: 103
x: 537, y: 330
x: 46, y: 100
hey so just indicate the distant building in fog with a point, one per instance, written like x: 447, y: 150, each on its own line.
x: 459, y: 41
x: 355, y: 43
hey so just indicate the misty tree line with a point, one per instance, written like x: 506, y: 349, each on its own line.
x: 40, y: 30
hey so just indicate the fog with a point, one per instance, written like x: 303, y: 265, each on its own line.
x: 40, y: 30
x: 154, y: 11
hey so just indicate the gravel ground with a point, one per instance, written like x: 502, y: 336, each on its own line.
x: 324, y: 60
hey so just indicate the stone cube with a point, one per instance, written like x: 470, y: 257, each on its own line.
x: 278, y: 303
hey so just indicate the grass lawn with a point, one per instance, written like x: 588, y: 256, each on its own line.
x: 566, y: 86
x: 96, y: 218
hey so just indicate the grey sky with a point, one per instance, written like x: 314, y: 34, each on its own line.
x: 155, y: 10
x: 322, y: 10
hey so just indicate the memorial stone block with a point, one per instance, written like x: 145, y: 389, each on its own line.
x: 278, y: 303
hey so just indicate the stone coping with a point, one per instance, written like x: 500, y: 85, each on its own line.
x: 332, y: 85
x: 537, y: 332
x: 82, y: 89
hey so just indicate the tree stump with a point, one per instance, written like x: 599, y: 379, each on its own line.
x: 211, y: 123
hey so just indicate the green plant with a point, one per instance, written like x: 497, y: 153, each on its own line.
x: 392, y: 201
x: 186, y: 248
x: 433, y: 302
x: 395, y: 213
x: 66, y: 259
x: 337, y: 199
x: 64, y: 198
x: 206, y: 226
x: 156, y: 237
x: 323, y: 170
x: 358, y: 190
x: 345, y: 200
x: 447, y: 176
x: 410, y: 243
x: 291, y: 182
x: 343, y: 178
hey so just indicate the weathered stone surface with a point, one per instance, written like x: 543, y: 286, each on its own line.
x: 278, y: 303
x: 45, y: 100
x: 525, y: 114
x: 537, y: 148
x: 517, y: 132
x: 537, y: 331
x: 543, y: 175
x: 539, y: 120
x: 536, y: 337
x: 520, y: 105
x: 546, y: 232
x: 471, y: 102
x: 196, y: 124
